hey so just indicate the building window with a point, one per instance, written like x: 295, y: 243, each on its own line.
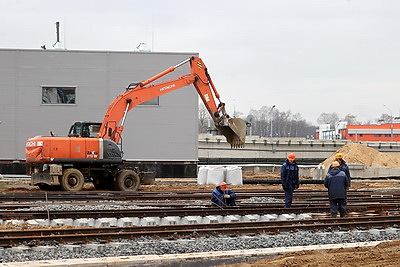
x: 152, y: 102
x: 361, y: 135
x: 351, y: 135
x: 58, y: 95
x: 387, y: 135
x: 377, y: 135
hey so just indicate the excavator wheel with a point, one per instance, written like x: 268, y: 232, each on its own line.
x: 72, y: 180
x: 127, y: 180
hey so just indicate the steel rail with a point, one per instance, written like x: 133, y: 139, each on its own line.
x: 84, y: 235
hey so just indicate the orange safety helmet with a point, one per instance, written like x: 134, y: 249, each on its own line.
x: 335, y: 164
x: 339, y: 156
x: 291, y: 156
x: 223, y: 186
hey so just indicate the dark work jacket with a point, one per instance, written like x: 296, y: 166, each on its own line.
x: 218, y: 200
x: 290, y: 175
x: 337, y: 183
x: 343, y: 167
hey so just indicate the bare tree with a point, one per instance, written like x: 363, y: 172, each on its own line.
x: 328, y: 118
x: 385, y: 118
x: 204, y: 118
x: 351, y: 119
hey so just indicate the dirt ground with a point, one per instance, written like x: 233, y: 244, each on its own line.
x: 384, y: 254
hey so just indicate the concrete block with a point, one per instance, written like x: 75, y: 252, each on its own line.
x: 73, y: 248
x: 191, y: 220
x: 43, y: 222
x: 125, y: 222
x: 102, y: 222
x: 319, y: 173
x: 170, y: 220
x: 231, y: 219
x: 14, y: 222
x: 96, y: 247
x: 250, y: 218
x: 62, y: 222
x: 148, y: 221
x: 84, y: 222
x: 210, y: 219
x: 32, y: 222
x: 268, y: 217
x: 285, y: 217
x: 303, y: 216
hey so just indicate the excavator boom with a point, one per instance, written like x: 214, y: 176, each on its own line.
x: 234, y: 129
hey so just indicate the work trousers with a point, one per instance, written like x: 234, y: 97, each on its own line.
x: 288, y: 197
x: 338, y: 205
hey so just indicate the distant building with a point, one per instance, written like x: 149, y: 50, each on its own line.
x: 388, y: 132
x: 324, y: 132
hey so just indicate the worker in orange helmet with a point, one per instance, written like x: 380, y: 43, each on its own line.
x: 289, y: 178
x: 337, y: 183
x: 222, y: 196
x: 342, y: 166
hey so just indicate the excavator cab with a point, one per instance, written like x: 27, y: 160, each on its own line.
x: 84, y: 129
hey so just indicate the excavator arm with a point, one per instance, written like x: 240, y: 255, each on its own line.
x: 234, y: 129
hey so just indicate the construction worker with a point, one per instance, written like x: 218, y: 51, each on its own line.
x: 337, y: 183
x: 222, y: 196
x: 290, y: 178
x: 342, y: 165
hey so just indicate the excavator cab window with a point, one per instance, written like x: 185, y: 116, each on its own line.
x: 84, y: 129
x: 75, y: 130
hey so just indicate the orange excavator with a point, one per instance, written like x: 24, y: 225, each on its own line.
x: 92, y: 149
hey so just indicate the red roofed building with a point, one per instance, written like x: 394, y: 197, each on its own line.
x: 388, y: 132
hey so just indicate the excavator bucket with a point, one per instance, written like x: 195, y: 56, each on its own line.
x: 235, y: 132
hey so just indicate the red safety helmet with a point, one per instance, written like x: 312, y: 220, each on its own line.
x: 291, y: 156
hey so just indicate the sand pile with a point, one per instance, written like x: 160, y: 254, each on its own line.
x: 362, y: 154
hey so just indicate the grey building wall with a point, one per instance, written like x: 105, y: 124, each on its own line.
x: 167, y: 132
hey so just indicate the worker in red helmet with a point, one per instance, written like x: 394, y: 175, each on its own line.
x: 289, y: 178
x: 222, y: 196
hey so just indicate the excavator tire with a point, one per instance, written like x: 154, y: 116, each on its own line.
x: 71, y: 180
x: 127, y: 180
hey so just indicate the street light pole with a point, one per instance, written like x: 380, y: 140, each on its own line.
x: 271, y: 118
x: 391, y: 123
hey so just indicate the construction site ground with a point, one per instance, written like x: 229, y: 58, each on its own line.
x: 383, y: 254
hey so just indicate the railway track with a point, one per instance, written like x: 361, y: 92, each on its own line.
x: 83, y: 235
x: 310, y: 195
x: 191, y: 211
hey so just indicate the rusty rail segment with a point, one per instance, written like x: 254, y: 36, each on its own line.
x: 84, y: 235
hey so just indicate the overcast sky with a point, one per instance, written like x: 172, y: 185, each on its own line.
x: 307, y: 56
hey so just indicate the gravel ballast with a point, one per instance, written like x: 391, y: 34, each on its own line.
x: 152, y: 246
